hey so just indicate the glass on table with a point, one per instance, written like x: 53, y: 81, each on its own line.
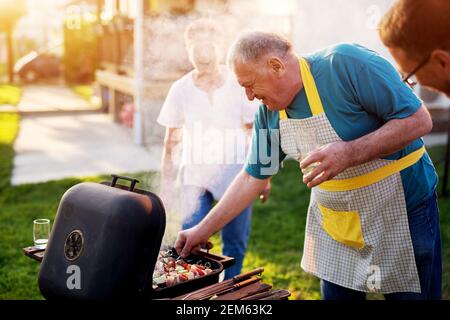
x: 41, y: 232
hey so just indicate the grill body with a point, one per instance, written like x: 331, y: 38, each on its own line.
x: 104, y: 245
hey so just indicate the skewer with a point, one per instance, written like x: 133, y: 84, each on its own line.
x: 232, y: 288
x: 216, y: 288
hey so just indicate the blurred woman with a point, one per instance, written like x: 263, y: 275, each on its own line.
x: 208, y: 114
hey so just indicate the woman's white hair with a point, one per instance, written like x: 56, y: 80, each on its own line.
x: 203, y: 29
x: 250, y: 46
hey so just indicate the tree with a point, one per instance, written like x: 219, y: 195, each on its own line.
x: 10, y: 12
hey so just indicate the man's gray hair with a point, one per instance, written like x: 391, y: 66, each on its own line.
x: 250, y: 46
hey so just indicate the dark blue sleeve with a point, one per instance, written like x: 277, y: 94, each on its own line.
x: 380, y: 90
x: 265, y: 153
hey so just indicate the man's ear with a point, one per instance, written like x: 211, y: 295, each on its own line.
x: 442, y: 57
x: 276, y: 65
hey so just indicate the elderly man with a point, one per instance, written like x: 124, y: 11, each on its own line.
x: 417, y: 35
x: 344, y: 112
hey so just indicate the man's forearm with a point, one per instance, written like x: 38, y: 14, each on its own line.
x: 391, y: 137
x: 238, y: 196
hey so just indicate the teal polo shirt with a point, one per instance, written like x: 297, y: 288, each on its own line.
x: 360, y: 91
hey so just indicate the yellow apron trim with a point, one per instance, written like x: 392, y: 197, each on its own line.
x: 310, y: 87
x: 343, y: 226
x: 311, y: 91
x: 374, y: 176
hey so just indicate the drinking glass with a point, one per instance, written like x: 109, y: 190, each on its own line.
x: 41, y: 232
x: 306, y: 143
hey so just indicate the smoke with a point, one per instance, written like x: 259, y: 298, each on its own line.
x: 212, y: 159
x: 165, y: 60
x: 311, y: 25
x: 165, y: 52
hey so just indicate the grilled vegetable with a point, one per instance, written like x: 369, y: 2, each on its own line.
x: 170, y: 271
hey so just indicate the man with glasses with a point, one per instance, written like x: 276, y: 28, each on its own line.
x: 417, y: 33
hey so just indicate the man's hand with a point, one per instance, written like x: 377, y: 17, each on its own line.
x: 264, y: 196
x: 332, y: 159
x: 191, y: 240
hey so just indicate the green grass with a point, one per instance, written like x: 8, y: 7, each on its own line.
x: 9, y: 95
x: 276, y: 240
x: 84, y: 91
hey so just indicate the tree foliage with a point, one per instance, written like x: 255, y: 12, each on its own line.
x: 10, y: 12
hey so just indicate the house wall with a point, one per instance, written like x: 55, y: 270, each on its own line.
x: 165, y: 57
x: 318, y: 24
x: 311, y: 25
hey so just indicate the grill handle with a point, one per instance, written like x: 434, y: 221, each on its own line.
x: 132, y: 180
x: 244, y: 276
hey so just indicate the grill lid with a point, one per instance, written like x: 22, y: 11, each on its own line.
x: 104, y: 242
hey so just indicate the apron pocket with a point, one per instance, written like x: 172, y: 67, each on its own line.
x: 343, y: 226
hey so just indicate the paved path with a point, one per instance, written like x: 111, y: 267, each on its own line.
x: 55, y: 147
x: 47, y: 97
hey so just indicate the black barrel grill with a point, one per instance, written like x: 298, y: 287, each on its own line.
x: 105, y: 243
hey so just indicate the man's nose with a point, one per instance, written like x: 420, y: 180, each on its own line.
x: 250, y: 94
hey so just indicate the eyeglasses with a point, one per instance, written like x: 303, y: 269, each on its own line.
x: 411, y: 79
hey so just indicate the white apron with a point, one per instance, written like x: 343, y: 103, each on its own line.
x: 357, y: 233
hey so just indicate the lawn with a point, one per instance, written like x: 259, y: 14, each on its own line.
x: 9, y: 95
x: 276, y: 240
